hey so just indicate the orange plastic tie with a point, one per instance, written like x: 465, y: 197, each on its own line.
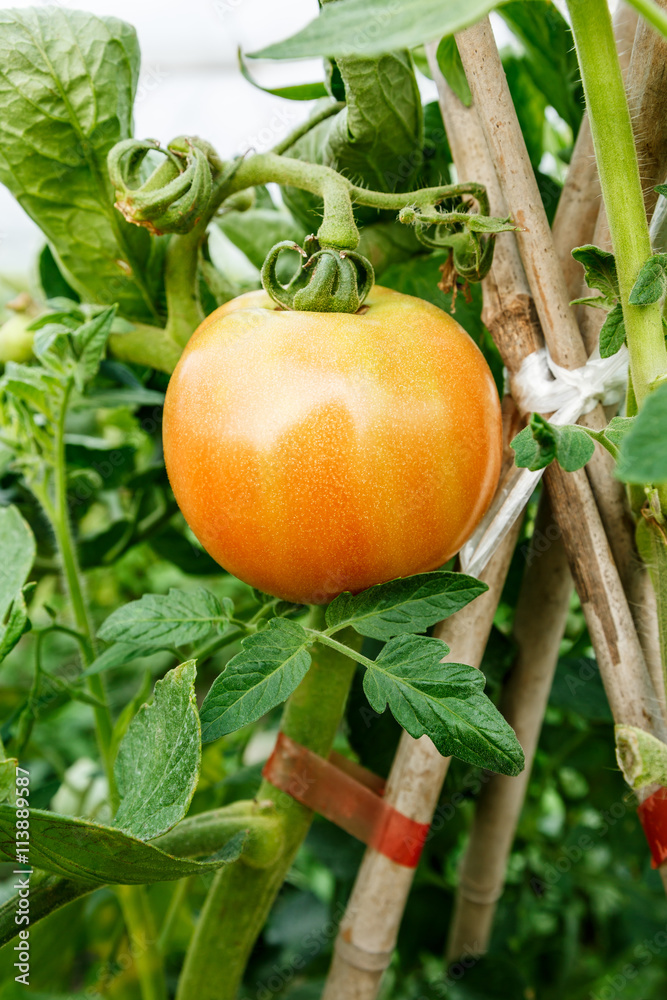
x: 349, y: 796
x: 653, y: 816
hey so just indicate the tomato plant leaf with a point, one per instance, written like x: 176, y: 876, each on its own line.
x: 91, y: 852
x: 535, y: 446
x: 7, y: 777
x: 444, y: 701
x: 640, y: 461
x: 540, y: 443
x: 376, y: 138
x: 16, y: 623
x: 31, y: 385
x: 617, y: 428
x: 157, y: 767
x: 269, y: 667
x: 298, y: 92
x: 451, y: 67
x: 600, y: 270
x: 651, y: 283
x: 370, y: 27
x: 116, y: 655
x: 163, y: 620
x: 612, y: 334
x: 411, y: 604
x: 17, y: 544
x: 574, y: 447
x: 89, y: 342
x: 66, y: 95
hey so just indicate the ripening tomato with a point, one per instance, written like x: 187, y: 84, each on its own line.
x: 313, y: 453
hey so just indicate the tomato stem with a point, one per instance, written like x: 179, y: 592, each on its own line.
x: 620, y: 182
x: 241, y: 896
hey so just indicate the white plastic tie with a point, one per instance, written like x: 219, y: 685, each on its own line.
x: 542, y: 386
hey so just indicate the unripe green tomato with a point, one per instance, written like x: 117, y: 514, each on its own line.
x: 313, y: 453
x: 16, y: 339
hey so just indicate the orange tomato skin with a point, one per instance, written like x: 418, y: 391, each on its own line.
x: 314, y: 453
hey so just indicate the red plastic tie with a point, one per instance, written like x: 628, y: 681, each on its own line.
x: 653, y: 816
x: 349, y: 796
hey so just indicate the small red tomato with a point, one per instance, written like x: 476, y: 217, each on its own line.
x: 313, y: 453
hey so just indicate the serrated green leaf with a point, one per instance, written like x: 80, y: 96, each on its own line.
x: 643, y: 457
x: 451, y: 67
x: 17, y: 544
x: 612, y: 334
x: 444, y: 701
x: 90, y: 341
x: 53, y: 347
x: 411, y: 604
x: 651, y: 282
x: 490, y: 224
x: 535, y: 446
x: 574, y: 447
x: 32, y: 385
x: 157, y: 767
x: 271, y: 664
x: 600, y: 268
x: 540, y: 443
x: 66, y: 93
x: 91, y: 852
x: 370, y: 27
x: 163, y: 620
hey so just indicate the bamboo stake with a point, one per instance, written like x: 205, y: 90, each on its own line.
x: 499, y: 805
x: 544, y: 598
x: 538, y: 630
x: 620, y: 657
x: 368, y: 931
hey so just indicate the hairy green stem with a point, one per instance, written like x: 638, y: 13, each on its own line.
x: 133, y: 899
x: 184, y: 309
x: 305, y: 127
x: 143, y: 939
x: 620, y: 182
x: 63, y: 531
x: 241, y: 897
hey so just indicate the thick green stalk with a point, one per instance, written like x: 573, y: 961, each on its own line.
x: 143, y: 938
x: 63, y: 531
x: 133, y: 898
x: 241, y: 897
x: 184, y: 309
x: 620, y: 182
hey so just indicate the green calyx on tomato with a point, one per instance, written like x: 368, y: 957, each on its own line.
x: 316, y: 453
x: 327, y: 280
